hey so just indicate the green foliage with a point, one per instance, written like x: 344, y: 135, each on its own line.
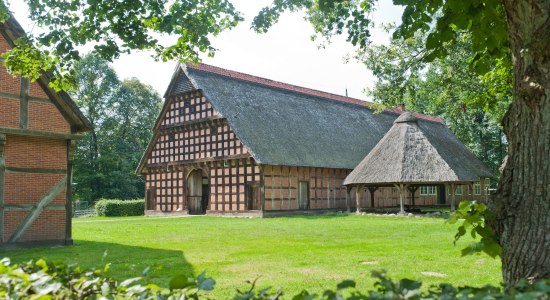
x: 47, y: 280
x: 473, y: 216
x: 472, y: 105
x: 119, y: 208
x: 123, y: 113
x: 55, y: 280
x: 114, y: 28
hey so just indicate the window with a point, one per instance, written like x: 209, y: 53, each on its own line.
x: 428, y: 190
x: 477, y: 188
x: 458, y: 190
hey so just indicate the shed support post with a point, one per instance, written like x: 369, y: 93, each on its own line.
x: 2, y: 171
x: 358, y: 198
x: 483, y: 190
x: 348, y: 197
x: 372, y: 189
x: 453, y: 191
x: 413, y: 190
x: 69, y: 193
x: 401, y: 188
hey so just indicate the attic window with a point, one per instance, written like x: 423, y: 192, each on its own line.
x: 192, y: 109
x: 182, y: 111
x: 214, y: 130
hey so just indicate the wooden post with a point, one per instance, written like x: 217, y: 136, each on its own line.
x: 2, y: 171
x: 69, y: 194
x: 358, y: 198
x: 482, y: 192
x: 348, y: 196
x: 372, y: 190
x: 401, y: 188
x: 413, y: 190
x: 453, y: 191
x: 24, y: 104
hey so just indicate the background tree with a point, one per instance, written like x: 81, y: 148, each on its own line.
x: 123, y: 114
x: 113, y: 28
x: 498, y: 28
x: 472, y: 105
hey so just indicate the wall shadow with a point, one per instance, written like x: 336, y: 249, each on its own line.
x: 125, y: 261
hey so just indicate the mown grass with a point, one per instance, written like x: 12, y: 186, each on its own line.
x: 294, y: 253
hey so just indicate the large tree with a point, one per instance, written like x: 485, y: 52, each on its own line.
x: 498, y: 28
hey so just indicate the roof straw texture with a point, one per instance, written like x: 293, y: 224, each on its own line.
x: 415, y: 152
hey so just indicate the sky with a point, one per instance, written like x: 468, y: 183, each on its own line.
x: 286, y: 53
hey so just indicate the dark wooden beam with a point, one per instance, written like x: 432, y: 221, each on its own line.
x: 24, y: 103
x: 35, y: 170
x: 372, y: 190
x: 2, y: 171
x: 69, y: 193
x: 29, y: 220
x: 413, y: 189
x: 17, y: 97
x: 43, y: 134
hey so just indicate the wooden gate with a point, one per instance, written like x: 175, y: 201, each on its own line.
x: 196, y: 202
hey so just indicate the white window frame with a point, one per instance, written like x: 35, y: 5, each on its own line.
x: 477, y: 188
x: 458, y: 190
x: 428, y: 190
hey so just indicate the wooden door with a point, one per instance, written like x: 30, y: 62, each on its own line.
x: 150, y: 199
x: 254, y: 196
x: 194, y: 193
x: 303, y: 195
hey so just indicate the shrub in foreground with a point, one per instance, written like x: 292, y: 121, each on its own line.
x: 47, y: 280
x: 119, y: 208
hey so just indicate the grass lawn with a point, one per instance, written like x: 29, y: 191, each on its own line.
x: 294, y: 253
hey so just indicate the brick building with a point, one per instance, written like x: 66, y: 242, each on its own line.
x: 38, y: 127
x: 231, y: 143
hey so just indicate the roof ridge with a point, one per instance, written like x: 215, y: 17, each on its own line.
x: 294, y: 88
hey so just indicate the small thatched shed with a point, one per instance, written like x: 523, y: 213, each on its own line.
x: 411, y: 154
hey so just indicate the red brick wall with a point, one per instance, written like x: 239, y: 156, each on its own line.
x: 46, y: 117
x: 32, y: 152
x: 9, y: 113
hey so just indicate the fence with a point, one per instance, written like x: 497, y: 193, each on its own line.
x: 83, y: 208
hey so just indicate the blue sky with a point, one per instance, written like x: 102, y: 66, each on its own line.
x: 285, y: 53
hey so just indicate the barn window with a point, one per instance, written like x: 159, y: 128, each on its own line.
x: 182, y: 111
x: 458, y: 190
x: 214, y: 130
x: 428, y: 190
x: 477, y: 188
x: 192, y: 109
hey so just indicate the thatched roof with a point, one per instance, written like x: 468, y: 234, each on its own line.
x: 11, y: 30
x: 283, y: 124
x: 413, y: 151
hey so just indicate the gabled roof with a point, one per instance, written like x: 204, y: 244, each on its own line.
x: 283, y: 124
x: 414, y: 151
x: 11, y: 31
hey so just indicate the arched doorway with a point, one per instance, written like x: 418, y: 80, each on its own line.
x: 197, y: 192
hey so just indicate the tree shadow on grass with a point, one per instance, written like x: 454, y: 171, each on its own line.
x: 125, y: 261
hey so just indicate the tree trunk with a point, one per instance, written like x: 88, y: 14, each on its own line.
x: 522, y: 201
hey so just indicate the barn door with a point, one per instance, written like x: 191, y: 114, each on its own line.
x: 303, y: 195
x: 194, y: 193
x: 253, y: 196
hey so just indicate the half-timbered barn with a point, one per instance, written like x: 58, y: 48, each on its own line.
x: 38, y: 127
x: 231, y: 143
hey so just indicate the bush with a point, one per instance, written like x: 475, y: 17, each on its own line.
x: 47, y: 280
x: 119, y: 208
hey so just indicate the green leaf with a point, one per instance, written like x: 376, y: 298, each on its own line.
x: 180, y: 282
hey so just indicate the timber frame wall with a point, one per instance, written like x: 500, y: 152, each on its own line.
x: 191, y: 135
x: 36, y: 154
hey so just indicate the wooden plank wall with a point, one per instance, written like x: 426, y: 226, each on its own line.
x: 389, y: 197
x: 325, y: 187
